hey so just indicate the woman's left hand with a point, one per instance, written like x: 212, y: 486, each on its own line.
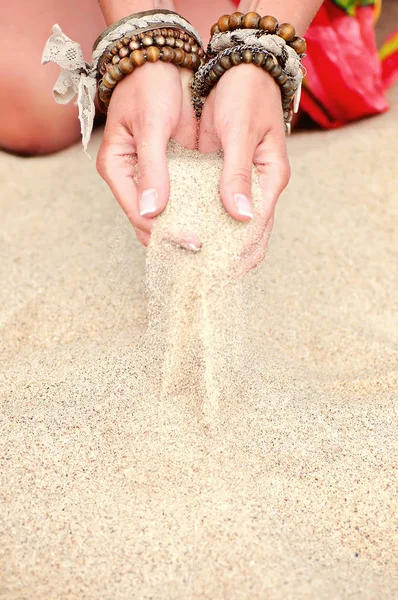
x: 243, y: 116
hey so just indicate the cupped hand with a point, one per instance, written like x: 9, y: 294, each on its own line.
x: 148, y: 108
x: 243, y: 116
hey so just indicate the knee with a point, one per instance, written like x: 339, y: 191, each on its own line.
x: 37, y: 125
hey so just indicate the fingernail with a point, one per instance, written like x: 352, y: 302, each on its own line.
x: 243, y: 205
x: 189, y: 242
x: 148, y: 202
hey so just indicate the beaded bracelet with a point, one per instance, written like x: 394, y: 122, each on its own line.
x: 216, y: 67
x: 125, y: 55
x: 264, y: 37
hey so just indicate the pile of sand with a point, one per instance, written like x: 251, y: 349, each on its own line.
x: 244, y: 444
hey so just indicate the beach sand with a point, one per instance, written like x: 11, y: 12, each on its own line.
x: 245, y: 445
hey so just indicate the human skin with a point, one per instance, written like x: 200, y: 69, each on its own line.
x: 248, y: 131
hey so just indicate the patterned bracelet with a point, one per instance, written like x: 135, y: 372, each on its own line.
x: 240, y: 38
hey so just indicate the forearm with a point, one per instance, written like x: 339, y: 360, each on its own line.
x: 297, y: 12
x: 114, y: 10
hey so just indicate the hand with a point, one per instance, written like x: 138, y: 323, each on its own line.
x: 243, y: 116
x: 148, y: 107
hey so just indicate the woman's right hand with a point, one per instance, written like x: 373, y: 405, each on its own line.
x: 148, y: 108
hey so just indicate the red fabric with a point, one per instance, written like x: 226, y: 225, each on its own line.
x: 343, y: 68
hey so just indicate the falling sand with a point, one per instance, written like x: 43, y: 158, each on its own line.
x: 172, y: 428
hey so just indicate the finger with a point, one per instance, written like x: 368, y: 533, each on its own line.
x: 208, y: 138
x: 236, y: 178
x: 273, y: 173
x: 253, y: 259
x: 116, y: 163
x: 273, y: 170
x: 143, y: 237
x: 186, y: 132
x: 152, y: 137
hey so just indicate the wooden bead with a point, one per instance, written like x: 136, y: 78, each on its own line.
x: 126, y: 66
x: 276, y: 71
x: 187, y: 62
x: 109, y: 55
x: 141, y: 36
x: 156, y: 32
x: 213, y: 76
x: 288, y: 94
x: 181, y: 35
x: 167, y: 54
x: 115, y: 72
x: 223, y: 23
x: 114, y: 50
x: 170, y: 41
x: 172, y: 33
x: 258, y: 59
x: 251, y: 20
x: 195, y: 60
x: 226, y: 62
x: 218, y: 69
x: 187, y: 47
x: 299, y: 45
x: 236, y: 21
x: 288, y: 86
x: 134, y: 45
x: 116, y: 59
x: 186, y: 37
x: 247, y: 56
x: 153, y: 54
x: 195, y: 48
x: 108, y: 81
x: 137, y: 58
x: 179, y: 43
x: 281, y: 79
x: 214, y: 29
x: 179, y: 56
x: 236, y: 58
x: 125, y: 51
x: 268, y: 24
x: 160, y: 40
x: 164, y: 32
x: 286, y: 31
x: 269, y: 63
x: 201, y: 52
x: 126, y: 41
x: 119, y: 45
x: 147, y: 41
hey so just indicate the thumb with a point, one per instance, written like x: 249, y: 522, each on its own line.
x: 236, y: 180
x: 152, y: 175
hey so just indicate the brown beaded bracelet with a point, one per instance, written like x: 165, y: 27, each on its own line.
x: 267, y: 24
x: 121, y: 58
x: 216, y: 67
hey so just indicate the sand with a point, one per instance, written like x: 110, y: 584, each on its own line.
x: 243, y: 445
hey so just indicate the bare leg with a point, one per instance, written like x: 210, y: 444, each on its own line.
x: 30, y: 120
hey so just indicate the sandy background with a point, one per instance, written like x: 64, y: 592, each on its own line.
x: 107, y: 492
